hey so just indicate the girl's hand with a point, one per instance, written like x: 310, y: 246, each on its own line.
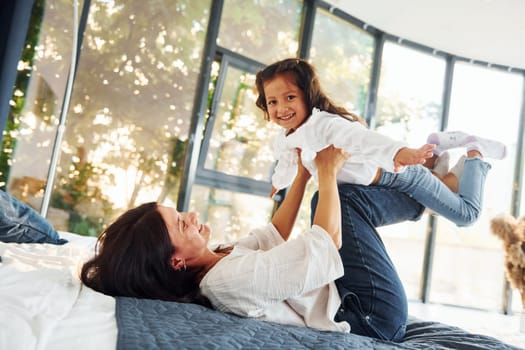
x: 411, y: 156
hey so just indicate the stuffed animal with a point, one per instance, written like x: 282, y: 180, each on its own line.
x: 512, y: 232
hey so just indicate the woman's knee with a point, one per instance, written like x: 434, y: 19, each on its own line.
x: 384, y: 321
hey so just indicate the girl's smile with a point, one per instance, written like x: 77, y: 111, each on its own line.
x: 285, y: 102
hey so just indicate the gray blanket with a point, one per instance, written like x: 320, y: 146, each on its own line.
x: 153, y: 324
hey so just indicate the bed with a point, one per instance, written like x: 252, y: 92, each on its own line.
x: 43, y: 305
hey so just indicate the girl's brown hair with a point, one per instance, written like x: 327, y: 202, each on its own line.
x: 305, y: 77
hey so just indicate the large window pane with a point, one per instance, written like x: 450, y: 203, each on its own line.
x: 237, y: 148
x: 469, y: 261
x: 241, y: 139
x: 409, y: 108
x: 130, y: 110
x: 265, y: 31
x: 231, y: 215
x: 409, y: 101
x: 342, y: 54
x: 405, y: 243
x: 37, y: 100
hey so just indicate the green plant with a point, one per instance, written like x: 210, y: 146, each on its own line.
x: 78, y: 194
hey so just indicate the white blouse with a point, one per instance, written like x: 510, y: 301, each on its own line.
x: 369, y: 150
x: 288, y: 282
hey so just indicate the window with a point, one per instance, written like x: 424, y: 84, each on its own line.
x: 265, y: 31
x: 240, y: 141
x: 410, y: 94
x: 230, y: 214
x: 469, y: 261
x: 409, y: 108
x: 342, y: 54
x: 236, y: 159
x: 37, y: 101
x: 130, y: 110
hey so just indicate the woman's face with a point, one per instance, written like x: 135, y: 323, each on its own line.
x: 285, y: 102
x: 186, y: 234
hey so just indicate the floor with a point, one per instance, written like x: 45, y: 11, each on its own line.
x: 503, y: 327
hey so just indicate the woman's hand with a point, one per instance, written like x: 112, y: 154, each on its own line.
x: 328, y: 212
x: 331, y: 159
x: 285, y: 216
x: 411, y: 156
x: 302, y: 173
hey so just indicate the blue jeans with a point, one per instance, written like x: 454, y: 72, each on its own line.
x: 462, y: 208
x: 373, y: 299
x: 20, y: 223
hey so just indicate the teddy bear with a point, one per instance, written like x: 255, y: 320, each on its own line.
x: 511, y: 231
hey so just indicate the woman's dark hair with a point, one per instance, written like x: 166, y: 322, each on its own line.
x: 305, y: 77
x: 133, y: 257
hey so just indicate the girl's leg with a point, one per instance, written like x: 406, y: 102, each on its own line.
x: 462, y: 208
x: 373, y: 299
x: 451, y: 179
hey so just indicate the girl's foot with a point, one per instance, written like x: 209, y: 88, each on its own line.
x: 458, y: 168
x: 452, y: 139
x: 446, y: 140
x: 488, y: 148
x: 441, y: 164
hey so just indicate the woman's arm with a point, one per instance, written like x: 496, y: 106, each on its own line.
x: 285, y: 216
x: 328, y: 212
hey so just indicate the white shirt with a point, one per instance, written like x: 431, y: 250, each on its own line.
x: 369, y: 150
x: 288, y: 282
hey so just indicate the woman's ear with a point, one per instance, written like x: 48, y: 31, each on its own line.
x: 178, y: 263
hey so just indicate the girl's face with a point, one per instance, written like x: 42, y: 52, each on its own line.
x: 285, y: 102
x: 186, y: 234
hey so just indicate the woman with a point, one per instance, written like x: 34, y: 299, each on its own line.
x: 156, y: 252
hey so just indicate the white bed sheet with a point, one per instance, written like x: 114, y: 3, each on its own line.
x: 43, y: 304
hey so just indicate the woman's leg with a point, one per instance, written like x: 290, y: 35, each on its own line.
x: 20, y: 223
x: 373, y: 299
x: 462, y: 208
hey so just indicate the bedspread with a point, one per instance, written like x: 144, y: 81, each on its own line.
x: 43, y: 304
x: 154, y: 324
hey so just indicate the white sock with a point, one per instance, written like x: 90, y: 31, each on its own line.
x: 458, y: 168
x: 488, y: 148
x: 446, y: 140
x: 441, y: 164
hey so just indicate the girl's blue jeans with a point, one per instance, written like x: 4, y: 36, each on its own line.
x: 373, y: 299
x: 462, y: 208
x: 20, y: 223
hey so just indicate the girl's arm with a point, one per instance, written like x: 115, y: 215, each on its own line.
x: 410, y: 156
x: 366, y: 146
x: 285, y: 216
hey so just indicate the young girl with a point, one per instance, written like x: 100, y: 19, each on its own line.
x: 291, y: 96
